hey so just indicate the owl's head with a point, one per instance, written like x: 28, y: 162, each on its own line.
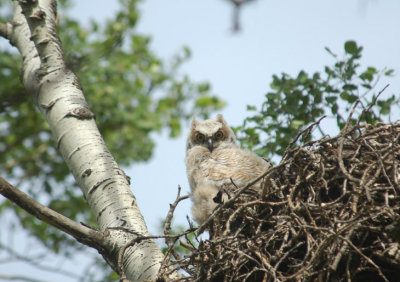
x: 211, y: 134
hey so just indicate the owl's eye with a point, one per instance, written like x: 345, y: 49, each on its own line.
x: 219, y: 135
x: 200, y: 137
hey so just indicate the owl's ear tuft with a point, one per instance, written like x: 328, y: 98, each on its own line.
x: 194, y: 121
x: 220, y: 118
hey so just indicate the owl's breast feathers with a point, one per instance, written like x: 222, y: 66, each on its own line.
x: 221, y: 165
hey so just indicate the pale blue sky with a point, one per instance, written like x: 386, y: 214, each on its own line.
x: 277, y: 36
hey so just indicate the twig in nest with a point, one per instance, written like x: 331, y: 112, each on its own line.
x: 168, y: 219
x: 307, y: 129
x: 365, y: 257
x: 170, y: 242
x: 365, y: 111
x: 202, y: 227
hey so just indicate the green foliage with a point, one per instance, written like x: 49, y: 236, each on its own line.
x: 295, y: 102
x: 132, y: 92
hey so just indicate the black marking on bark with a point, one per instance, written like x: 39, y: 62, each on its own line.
x: 44, y: 41
x: 45, y: 59
x: 48, y: 106
x: 38, y: 15
x: 86, y: 173
x: 97, y: 185
x: 108, y: 184
x: 42, y: 72
x: 54, y: 7
x: 81, y: 113
x: 101, y: 212
x: 31, y: 37
x: 77, y: 84
x: 128, y: 178
x: 123, y: 222
x: 88, y: 226
x: 58, y: 144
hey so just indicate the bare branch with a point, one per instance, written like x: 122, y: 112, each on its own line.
x: 3, y: 30
x: 6, y: 30
x: 168, y: 220
x: 366, y: 110
x: 81, y: 233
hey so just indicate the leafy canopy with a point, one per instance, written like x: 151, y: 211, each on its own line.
x: 294, y: 102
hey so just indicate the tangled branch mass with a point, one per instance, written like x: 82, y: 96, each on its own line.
x: 329, y: 212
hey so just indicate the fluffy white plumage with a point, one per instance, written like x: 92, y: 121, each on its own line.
x: 213, y: 158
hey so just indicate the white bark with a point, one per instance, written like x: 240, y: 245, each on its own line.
x: 57, y: 93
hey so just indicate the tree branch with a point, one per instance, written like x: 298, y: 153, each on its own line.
x: 3, y: 30
x: 88, y: 236
x: 6, y: 30
x: 168, y: 220
x: 41, y: 18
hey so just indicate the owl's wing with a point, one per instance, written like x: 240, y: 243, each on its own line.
x: 239, y: 165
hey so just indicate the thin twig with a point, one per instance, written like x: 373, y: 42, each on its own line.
x: 168, y: 220
x: 202, y: 227
x: 365, y: 111
x: 307, y: 129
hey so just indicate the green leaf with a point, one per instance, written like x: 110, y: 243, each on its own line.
x: 348, y: 97
x: 296, y: 124
x: 366, y: 85
x: 335, y: 109
x: 351, y: 47
x: 349, y: 87
x: 389, y: 72
x: 369, y: 74
x: 330, y: 52
x: 331, y: 99
x: 204, y: 87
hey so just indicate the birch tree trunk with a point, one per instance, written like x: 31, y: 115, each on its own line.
x: 56, y: 91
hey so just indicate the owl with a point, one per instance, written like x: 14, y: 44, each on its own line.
x: 213, y: 161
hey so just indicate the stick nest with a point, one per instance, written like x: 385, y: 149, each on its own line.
x: 329, y: 211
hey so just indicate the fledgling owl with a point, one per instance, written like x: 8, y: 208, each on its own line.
x: 213, y: 158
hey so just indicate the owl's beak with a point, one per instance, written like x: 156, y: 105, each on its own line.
x: 210, y: 144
